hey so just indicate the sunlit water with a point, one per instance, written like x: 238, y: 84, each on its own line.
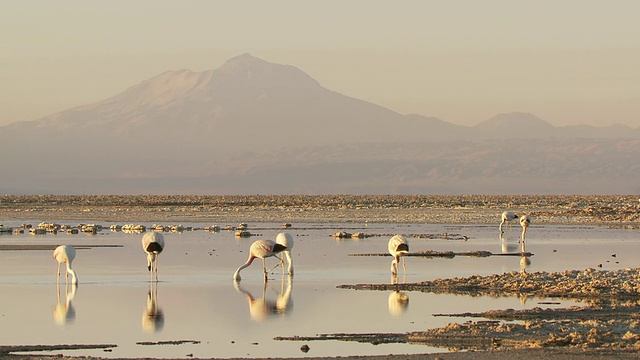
x: 197, y: 300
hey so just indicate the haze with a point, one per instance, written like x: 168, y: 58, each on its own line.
x: 569, y: 62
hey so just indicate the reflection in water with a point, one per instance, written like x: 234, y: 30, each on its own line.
x: 524, y: 263
x: 63, y: 312
x: 507, y: 247
x: 152, y: 316
x: 398, y: 300
x: 261, y: 309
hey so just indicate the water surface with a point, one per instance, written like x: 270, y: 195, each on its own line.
x: 197, y: 301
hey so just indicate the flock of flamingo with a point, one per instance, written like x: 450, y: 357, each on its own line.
x: 153, y: 244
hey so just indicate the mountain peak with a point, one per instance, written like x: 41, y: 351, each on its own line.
x: 248, y: 68
x: 513, y: 119
x: 242, y: 62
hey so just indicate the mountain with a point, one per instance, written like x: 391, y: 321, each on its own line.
x: 524, y: 125
x: 251, y: 126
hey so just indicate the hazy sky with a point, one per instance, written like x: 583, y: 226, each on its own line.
x: 568, y: 62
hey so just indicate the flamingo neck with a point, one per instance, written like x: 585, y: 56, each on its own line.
x: 151, y: 257
x: 74, y: 278
x: 289, y: 261
x: 236, y: 275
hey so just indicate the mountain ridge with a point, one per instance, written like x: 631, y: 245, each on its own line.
x: 253, y: 126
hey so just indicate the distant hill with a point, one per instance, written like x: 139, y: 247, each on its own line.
x: 252, y: 126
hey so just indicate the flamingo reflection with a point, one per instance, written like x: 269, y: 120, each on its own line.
x: 263, y: 308
x: 524, y: 263
x: 398, y: 300
x: 64, y: 312
x: 506, y: 246
x: 152, y: 316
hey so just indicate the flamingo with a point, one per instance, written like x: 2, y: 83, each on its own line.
x: 286, y: 239
x: 261, y: 249
x: 66, y: 254
x: 398, y: 246
x: 507, y: 217
x: 152, y: 244
x: 524, y: 222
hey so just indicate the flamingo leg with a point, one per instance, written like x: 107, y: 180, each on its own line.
x: 157, y: 258
x: 264, y: 268
x: 404, y: 267
x: 276, y: 265
x: 58, y: 280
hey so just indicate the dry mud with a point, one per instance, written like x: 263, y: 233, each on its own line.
x: 606, y: 326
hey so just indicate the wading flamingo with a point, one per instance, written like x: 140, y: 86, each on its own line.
x: 286, y: 239
x: 261, y: 249
x: 66, y: 254
x: 152, y: 244
x: 524, y: 222
x: 398, y: 246
x: 507, y: 217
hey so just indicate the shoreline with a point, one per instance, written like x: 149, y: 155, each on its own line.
x: 611, y: 210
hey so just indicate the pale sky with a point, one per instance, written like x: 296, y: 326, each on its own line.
x: 567, y: 61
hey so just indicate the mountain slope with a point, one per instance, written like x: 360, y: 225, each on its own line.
x: 251, y: 126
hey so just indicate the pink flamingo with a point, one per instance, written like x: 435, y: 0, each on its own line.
x: 261, y: 249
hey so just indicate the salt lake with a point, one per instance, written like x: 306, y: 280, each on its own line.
x: 198, y: 310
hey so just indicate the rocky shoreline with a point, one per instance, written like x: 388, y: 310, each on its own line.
x: 609, y: 319
x: 613, y: 210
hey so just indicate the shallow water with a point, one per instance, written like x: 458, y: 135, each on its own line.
x: 197, y: 300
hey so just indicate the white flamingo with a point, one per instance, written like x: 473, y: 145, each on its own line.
x: 66, y: 254
x: 525, y: 221
x: 286, y: 239
x: 152, y: 244
x: 398, y: 247
x: 508, y: 217
x: 260, y: 249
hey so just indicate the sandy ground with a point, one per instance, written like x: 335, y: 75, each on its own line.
x: 609, y: 328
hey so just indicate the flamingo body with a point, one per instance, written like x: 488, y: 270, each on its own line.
x: 398, y: 246
x: 260, y: 249
x: 152, y: 244
x: 66, y: 254
x: 286, y: 240
x: 507, y: 217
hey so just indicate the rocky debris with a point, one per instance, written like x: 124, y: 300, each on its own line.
x: 588, y: 284
x: 447, y: 254
x: 614, y: 210
x: 609, y: 320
